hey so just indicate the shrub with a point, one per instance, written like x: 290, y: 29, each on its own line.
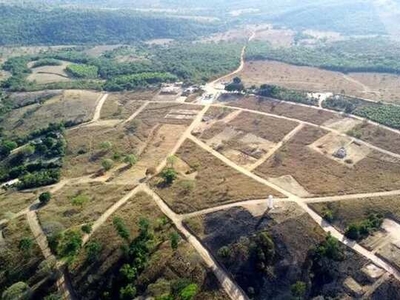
x: 71, y: 242
x: 19, y: 290
x: 174, y: 239
x: 25, y: 245
x: 45, y: 197
x: 121, y: 228
x: 169, y: 175
x: 107, y: 164
x: 189, y: 292
x: 131, y: 160
x: 128, y: 292
x: 87, y: 228
x: 298, y: 289
x: 93, y: 250
x: 80, y: 200
x: 224, y: 252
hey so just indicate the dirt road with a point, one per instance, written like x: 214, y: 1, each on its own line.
x: 97, y: 112
x: 230, y: 287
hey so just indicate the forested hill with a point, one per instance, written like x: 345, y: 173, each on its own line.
x: 27, y: 26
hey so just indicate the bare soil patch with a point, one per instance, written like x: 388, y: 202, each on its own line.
x: 277, y: 37
x: 215, y: 183
x: 320, y: 175
x: 276, y: 107
x: 100, y: 197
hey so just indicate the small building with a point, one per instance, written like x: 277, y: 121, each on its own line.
x: 340, y: 153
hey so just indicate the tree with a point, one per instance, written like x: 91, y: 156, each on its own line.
x: 224, y: 252
x: 128, y: 292
x: 6, y: 147
x: 237, y: 80
x: 87, y: 228
x: 298, y: 289
x: 169, y: 175
x: 25, y: 245
x: 107, y: 164
x: 28, y: 150
x: 45, y: 197
x: 106, y: 146
x: 70, y: 244
x: 128, y: 272
x: 93, y: 250
x: 18, y: 291
x: 174, y: 239
x: 189, y: 292
x: 171, y: 160
x: 131, y: 159
x: 121, y: 228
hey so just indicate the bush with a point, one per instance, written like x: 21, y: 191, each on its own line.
x: 362, y: 229
x: 131, y: 159
x: 80, y: 200
x: 45, y: 197
x: 93, y: 250
x: 25, y: 245
x: 128, y: 292
x: 107, y: 164
x: 19, y: 291
x: 121, y: 228
x: 298, y: 289
x: 189, y: 292
x: 169, y: 175
x: 70, y: 243
x: 87, y: 228
x: 174, y: 239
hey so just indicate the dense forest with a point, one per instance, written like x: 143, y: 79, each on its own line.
x: 356, y: 55
x: 27, y: 26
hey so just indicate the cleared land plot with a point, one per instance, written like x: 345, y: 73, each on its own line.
x: 50, y: 74
x: 27, y: 98
x: 377, y: 136
x: 215, y: 183
x: 72, y: 106
x: 88, y: 146
x: 122, y: 105
x: 293, y: 234
x: 277, y: 37
x: 276, y: 107
x: 98, y: 197
x: 13, y: 201
x: 97, y: 51
x: 165, y: 266
x: 320, y: 175
x: 375, y: 86
x: 15, y: 264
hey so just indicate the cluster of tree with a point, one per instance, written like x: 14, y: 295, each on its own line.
x: 82, y: 71
x: 37, y: 162
x: 360, y: 230
x: 46, y: 62
x: 281, y: 93
x: 136, y: 81
x: 235, y: 86
x: 54, y: 26
x: 358, y: 55
x: 382, y: 113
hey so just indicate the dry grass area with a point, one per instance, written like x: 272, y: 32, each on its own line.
x: 7, y: 52
x: 378, y: 136
x: 99, y: 50
x: 356, y: 210
x: 214, y: 184
x: 85, y: 153
x: 277, y: 37
x: 375, y: 86
x: 49, y: 74
x: 271, y: 106
x: 165, y: 265
x: 12, y: 202
x: 320, y: 175
x: 122, y: 105
x: 75, y: 106
x: 100, y: 197
x: 16, y: 265
x: 233, y: 35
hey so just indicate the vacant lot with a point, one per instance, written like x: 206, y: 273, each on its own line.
x: 50, y: 74
x: 164, y: 268
x: 214, y: 183
x: 375, y: 86
x: 356, y: 210
x: 26, y: 98
x: 72, y: 106
x: 122, y: 105
x: 277, y: 37
x: 321, y: 175
x: 87, y: 147
x: 13, y: 201
x: 15, y: 264
x: 377, y: 136
x: 280, y: 108
x: 64, y: 209
x: 232, y: 235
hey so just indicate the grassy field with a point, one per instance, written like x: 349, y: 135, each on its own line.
x: 49, y: 74
x: 276, y: 107
x: 13, y: 201
x: 321, y: 175
x: 208, y: 182
x: 164, y: 267
x: 118, y: 106
x: 98, y: 197
x: 15, y: 264
x: 74, y: 106
x: 375, y: 86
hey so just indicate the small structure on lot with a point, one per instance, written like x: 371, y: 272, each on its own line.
x: 340, y: 153
x: 271, y: 202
